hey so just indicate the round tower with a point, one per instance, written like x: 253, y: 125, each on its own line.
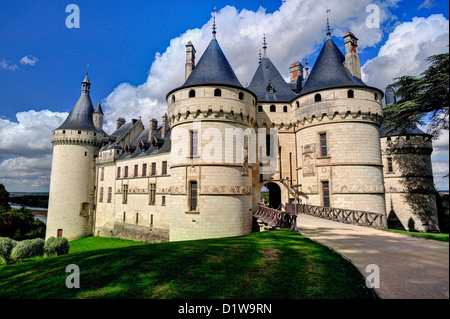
x: 408, y: 178
x: 75, y: 144
x: 209, y: 115
x: 337, y: 118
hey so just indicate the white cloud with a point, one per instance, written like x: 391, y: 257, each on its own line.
x: 7, y: 65
x: 30, y: 136
x: 406, y: 49
x: 29, y: 60
x: 295, y: 30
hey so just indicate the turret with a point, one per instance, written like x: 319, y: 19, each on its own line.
x: 190, y: 60
x: 98, y: 117
x: 75, y: 144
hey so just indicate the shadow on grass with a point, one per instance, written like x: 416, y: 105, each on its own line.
x: 272, y: 264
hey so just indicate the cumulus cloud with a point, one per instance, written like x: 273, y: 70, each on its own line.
x: 295, y: 30
x: 29, y: 60
x: 7, y: 65
x: 406, y: 49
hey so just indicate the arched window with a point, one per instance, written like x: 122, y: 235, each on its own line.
x: 260, y: 108
x: 192, y: 93
x: 350, y: 94
x: 317, y: 98
x: 241, y: 96
x: 285, y: 109
x: 217, y: 92
x: 173, y: 98
x: 376, y: 96
x: 298, y: 104
x: 273, y: 108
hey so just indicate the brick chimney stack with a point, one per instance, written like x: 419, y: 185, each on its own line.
x: 153, y: 129
x: 351, y: 54
x: 165, y: 125
x: 296, y: 70
x: 190, y: 59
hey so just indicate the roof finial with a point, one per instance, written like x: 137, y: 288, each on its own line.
x: 87, y: 69
x: 214, y: 24
x: 328, y: 25
x: 265, y: 46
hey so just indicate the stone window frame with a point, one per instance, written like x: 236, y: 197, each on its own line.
x: 322, y: 189
x: 320, y: 154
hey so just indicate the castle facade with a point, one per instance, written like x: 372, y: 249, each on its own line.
x: 199, y: 174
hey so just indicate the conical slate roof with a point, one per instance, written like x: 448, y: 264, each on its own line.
x: 98, y: 109
x: 80, y: 118
x: 212, y: 68
x: 267, y: 75
x: 412, y: 131
x: 329, y: 71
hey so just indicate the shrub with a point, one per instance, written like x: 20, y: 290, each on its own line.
x: 28, y: 249
x: 56, y: 246
x: 6, y: 246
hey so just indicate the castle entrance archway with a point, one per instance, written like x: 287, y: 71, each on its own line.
x: 271, y: 195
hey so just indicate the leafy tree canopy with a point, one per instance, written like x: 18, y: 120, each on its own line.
x: 421, y: 99
x: 4, y: 198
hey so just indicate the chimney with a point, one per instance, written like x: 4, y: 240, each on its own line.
x: 190, y: 59
x: 153, y: 129
x: 296, y: 70
x: 351, y: 54
x: 165, y: 125
x: 119, y: 122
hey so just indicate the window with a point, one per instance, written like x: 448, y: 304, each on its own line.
x: 118, y: 172
x: 60, y: 233
x: 109, y: 194
x: 298, y: 104
x: 323, y: 145
x: 241, y: 96
x: 137, y: 218
x: 173, y: 98
x: 317, y: 98
x: 152, y: 194
x: 285, y: 109
x: 151, y: 220
x: 144, y: 169
x: 163, y: 201
x: 260, y: 108
x: 124, y: 215
x: 164, y: 168
x: 326, y: 194
x: 125, y: 194
x: 85, y: 153
x: 79, y: 132
x: 350, y: 94
x: 126, y: 172
x: 192, y: 93
x: 217, y: 92
x: 194, y: 141
x: 136, y: 170
x: 85, y: 208
x: 102, y: 174
x: 193, y: 196
x: 100, y: 197
x: 375, y: 96
x: 390, y: 167
x: 268, y: 145
x: 273, y: 108
x: 153, y: 169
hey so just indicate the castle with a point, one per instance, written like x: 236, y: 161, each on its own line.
x: 315, y: 140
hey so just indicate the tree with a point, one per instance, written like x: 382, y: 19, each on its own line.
x: 421, y: 98
x: 4, y: 198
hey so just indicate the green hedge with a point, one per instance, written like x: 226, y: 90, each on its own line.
x: 16, y: 251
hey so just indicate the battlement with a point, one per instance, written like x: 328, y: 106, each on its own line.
x: 362, y: 104
x: 211, y: 103
x: 77, y: 137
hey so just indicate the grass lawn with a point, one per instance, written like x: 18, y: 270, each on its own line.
x: 437, y: 236
x: 273, y: 264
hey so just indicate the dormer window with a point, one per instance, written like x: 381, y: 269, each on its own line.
x: 270, y: 89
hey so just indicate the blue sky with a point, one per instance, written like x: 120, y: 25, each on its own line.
x: 135, y: 54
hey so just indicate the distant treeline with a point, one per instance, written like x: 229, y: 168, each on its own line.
x: 40, y: 201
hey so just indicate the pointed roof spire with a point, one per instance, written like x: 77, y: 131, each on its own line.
x: 328, y: 25
x: 259, y: 57
x: 214, y: 25
x: 265, y: 46
x: 86, y: 85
